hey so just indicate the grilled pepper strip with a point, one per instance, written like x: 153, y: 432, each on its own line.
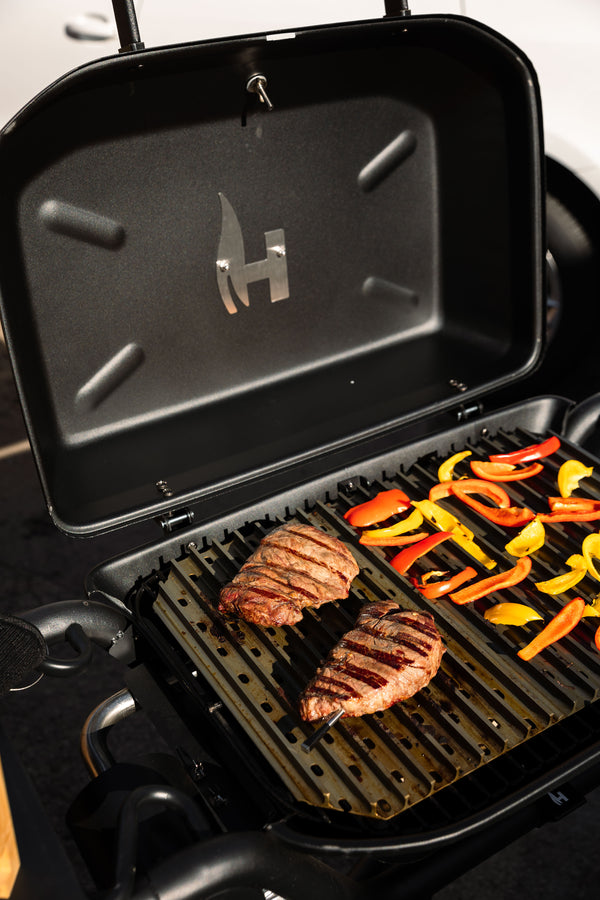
x: 461, y: 535
x: 378, y: 509
x: 440, y: 588
x: 570, y: 474
x: 414, y: 520
x: 528, y: 454
x: 591, y: 550
x: 571, y: 509
x: 493, y: 583
x: 495, y: 471
x: 398, y: 541
x: 404, y: 560
x: 495, y: 492
x: 567, y: 580
x: 511, y: 614
x: 562, y: 623
x: 528, y: 540
x: 597, y: 639
x: 446, y: 470
x: 513, y: 516
x: 591, y: 610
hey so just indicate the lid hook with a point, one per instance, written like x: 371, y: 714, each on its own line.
x: 257, y: 84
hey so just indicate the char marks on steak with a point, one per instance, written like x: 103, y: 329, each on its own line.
x: 388, y: 656
x: 294, y: 566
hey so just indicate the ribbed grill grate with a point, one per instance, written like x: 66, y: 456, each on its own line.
x: 483, y: 701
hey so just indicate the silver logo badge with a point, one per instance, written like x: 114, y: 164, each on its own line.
x: 232, y: 268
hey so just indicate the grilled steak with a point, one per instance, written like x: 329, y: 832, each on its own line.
x: 388, y: 656
x: 294, y: 566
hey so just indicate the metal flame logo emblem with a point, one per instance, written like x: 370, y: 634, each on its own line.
x: 234, y: 271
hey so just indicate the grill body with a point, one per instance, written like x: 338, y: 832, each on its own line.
x: 268, y: 317
x: 485, y: 741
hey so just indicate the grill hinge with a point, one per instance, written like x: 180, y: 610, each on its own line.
x: 467, y: 413
x: 174, y: 520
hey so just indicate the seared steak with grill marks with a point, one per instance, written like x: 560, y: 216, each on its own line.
x: 294, y: 566
x: 388, y: 656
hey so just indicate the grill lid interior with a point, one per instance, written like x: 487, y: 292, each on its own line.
x: 197, y: 291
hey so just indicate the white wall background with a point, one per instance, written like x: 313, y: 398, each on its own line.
x: 561, y: 37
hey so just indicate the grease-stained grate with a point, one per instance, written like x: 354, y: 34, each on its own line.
x: 483, y: 701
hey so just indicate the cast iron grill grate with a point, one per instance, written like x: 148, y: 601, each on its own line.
x: 483, y: 702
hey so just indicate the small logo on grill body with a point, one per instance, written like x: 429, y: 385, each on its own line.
x: 234, y: 271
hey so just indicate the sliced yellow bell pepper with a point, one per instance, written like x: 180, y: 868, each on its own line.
x: 445, y: 521
x: 511, y: 614
x: 446, y: 470
x: 570, y: 474
x: 528, y: 540
x: 590, y: 549
x: 567, y: 580
x: 414, y: 520
x: 591, y: 610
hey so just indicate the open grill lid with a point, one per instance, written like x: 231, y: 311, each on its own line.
x: 197, y: 291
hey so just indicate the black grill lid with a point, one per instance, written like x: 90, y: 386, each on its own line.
x: 197, y: 290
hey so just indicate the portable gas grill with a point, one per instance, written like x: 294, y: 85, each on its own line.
x: 259, y: 280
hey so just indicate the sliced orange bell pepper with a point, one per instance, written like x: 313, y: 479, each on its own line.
x: 527, y: 454
x: 398, y: 541
x: 440, y: 588
x: 495, y: 492
x: 495, y: 471
x: 562, y: 623
x: 494, y: 583
x: 378, y: 509
x: 597, y: 639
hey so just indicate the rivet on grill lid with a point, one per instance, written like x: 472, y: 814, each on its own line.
x: 164, y: 488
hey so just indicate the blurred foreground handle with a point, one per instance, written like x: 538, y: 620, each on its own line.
x: 9, y: 852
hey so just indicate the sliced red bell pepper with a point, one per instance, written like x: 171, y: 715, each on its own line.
x: 495, y: 471
x: 528, y: 454
x: 435, y: 589
x: 404, y: 560
x: 471, y: 486
x: 512, y: 516
x: 494, y: 583
x: 571, y: 509
x: 562, y: 623
x: 378, y: 509
x: 597, y: 639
